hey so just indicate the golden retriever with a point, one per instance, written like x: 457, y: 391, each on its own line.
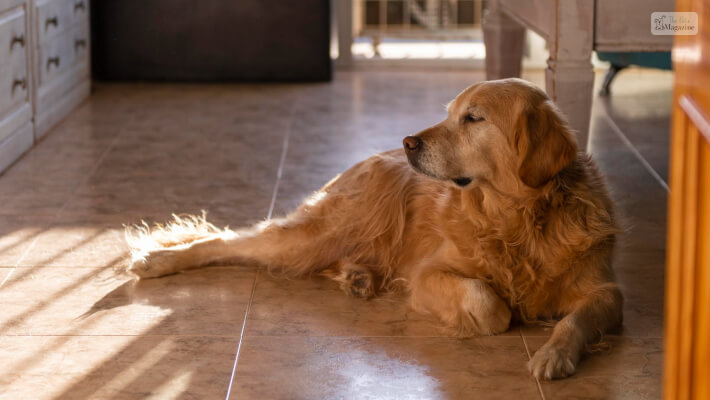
x: 490, y: 214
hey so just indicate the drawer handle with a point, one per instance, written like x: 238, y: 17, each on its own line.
x: 51, y: 21
x: 19, y: 40
x: 79, y: 43
x: 79, y: 6
x: 19, y: 82
x: 52, y: 60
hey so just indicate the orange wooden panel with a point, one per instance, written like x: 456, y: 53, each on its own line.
x: 687, y: 325
x: 701, y: 354
x: 687, y: 339
x: 674, y: 257
x: 689, y: 246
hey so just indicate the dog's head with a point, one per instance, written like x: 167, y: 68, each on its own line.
x: 501, y: 133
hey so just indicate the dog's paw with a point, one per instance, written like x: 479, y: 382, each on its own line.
x: 552, y: 362
x: 359, y: 283
x: 153, y: 264
x: 484, y: 312
x: 354, y: 279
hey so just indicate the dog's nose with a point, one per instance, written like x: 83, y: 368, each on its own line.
x: 411, y: 143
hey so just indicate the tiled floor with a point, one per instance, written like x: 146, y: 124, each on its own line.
x: 73, y: 327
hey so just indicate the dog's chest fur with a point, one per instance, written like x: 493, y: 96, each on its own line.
x: 520, y: 254
x: 518, y: 276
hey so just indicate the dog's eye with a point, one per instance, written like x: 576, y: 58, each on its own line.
x: 472, y: 118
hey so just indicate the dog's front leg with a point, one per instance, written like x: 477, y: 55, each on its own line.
x: 596, y: 313
x: 470, y: 306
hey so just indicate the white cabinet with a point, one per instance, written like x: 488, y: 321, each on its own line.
x: 44, y: 69
x: 61, y: 53
x: 15, y: 81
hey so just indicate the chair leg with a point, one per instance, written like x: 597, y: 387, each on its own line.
x: 504, y: 39
x: 608, y: 78
x: 570, y: 83
x: 569, y: 78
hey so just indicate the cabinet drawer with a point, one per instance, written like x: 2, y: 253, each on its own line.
x: 14, y: 86
x: 79, y: 11
x: 13, y: 37
x: 56, y: 16
x: 80, y: 41
x: 62, y: 52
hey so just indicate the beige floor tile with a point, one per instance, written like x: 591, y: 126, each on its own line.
x: 115, y: 367
x: 382, y: 368
x: 640, y: 106
x: 4, y: 272
x: 630, y: 369
x: 63, y: 245
x: 92, y: 301
x: 46, y: 177
x: 234, y: 203
x: 27, y: 198
x: 69, y: 154
x: 17, y: 236
x: 227, y: 158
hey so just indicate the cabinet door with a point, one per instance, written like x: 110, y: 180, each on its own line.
x: 687, y: 336
x: 14, y: 82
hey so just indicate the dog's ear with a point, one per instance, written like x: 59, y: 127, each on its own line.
x: 544, y: 142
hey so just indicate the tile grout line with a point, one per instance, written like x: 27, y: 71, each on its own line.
x: 631, y: 147
x: 272, y: 204
x: 527, y: 350
x: 241, y: 335
x: 58, y: 213
x: 282, y: 162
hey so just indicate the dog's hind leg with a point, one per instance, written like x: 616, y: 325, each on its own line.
x: 295, y: 246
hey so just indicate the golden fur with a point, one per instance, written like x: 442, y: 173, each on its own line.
x: 491, y: 214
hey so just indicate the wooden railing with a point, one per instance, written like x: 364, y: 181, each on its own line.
x: 419, y: 19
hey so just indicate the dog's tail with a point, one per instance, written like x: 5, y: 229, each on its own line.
x: 183, y: 229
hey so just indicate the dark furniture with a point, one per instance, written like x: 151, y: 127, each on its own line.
x: 211, y: 40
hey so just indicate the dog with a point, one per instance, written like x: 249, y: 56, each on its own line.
x: 489, y: 215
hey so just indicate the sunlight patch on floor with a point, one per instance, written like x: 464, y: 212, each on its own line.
x: 365, y: 372
x: 61, y: 362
